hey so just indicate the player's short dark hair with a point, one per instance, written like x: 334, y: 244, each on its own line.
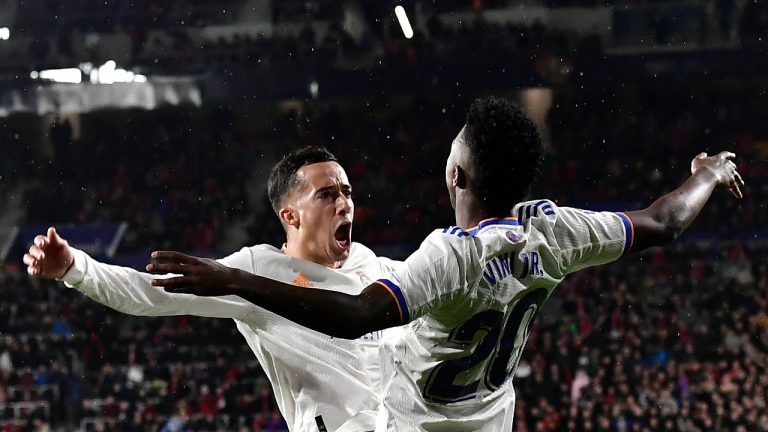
x: 505, y: 150
x: 283, y: 177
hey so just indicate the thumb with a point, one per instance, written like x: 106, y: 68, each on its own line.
x: 53, y: 236
x: 701, y: 155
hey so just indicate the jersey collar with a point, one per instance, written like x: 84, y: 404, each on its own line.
x: 511, y: 220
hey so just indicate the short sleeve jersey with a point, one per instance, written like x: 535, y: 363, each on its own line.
x: 469, y: 298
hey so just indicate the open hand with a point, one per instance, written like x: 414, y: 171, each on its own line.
x: 49, y: 256
x: 723, y: 168
x: 199, y: 276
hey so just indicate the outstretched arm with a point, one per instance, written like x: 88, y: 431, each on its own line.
x: 671, y: 214
x: 333, y: 313
x: 122, y: 288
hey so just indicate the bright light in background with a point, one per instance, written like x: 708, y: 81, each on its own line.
x: 314, y: 89
x: 108, y: 73
x: 68, y: 75
x: 5, y: 33
x: 86, y: 68
x: 402, y: 18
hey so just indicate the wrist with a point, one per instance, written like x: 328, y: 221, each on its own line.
x: 68, y: 264
x: 236, y: 281
x: 706, y: 174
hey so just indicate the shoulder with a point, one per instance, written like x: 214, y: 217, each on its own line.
x: 451, y: 241
x: 538, y: 208
x: 250, y: 258
x: 261, y: 251
x: 359, y: 256
x: 361, y: 250
x: 544, y: 215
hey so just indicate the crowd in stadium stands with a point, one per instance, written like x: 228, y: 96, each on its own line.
x: 674, y: 341
x: 67, y: 360
x: 144, y: 169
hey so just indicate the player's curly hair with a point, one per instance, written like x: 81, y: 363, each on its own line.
x: 506, y: 152
x: 283, y: 177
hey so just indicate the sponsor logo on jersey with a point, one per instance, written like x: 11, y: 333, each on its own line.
x: 302, y: 281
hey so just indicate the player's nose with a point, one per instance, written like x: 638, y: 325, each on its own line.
x: 343, y: 204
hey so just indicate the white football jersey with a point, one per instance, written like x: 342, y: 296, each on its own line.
x: 470, y: 298
x: 317, y: 380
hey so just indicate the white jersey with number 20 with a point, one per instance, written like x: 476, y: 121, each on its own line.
x: 470, y: 298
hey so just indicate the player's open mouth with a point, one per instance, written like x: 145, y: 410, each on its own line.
x: 343, y: 235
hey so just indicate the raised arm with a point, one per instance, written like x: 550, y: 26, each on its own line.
x: 330, y: 312
x: 121, y: 288
x: 670, y: 215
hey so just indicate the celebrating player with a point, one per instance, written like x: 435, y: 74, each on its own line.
x: 470, y: 293
x: 317, y: 380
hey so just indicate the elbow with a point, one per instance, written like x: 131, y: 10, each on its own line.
x: 667, y: 227
x: 674, y: 226
x: 348, y: 330
x: 360, y: 315
x: 670, y: 234
x: 355, y: 329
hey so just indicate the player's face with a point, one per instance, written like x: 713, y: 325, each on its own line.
x: 324, y: 212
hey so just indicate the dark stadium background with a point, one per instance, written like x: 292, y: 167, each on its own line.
x: 625, y: 92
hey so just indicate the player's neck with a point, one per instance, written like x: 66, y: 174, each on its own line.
x: 469, y: 214
x: 300, y: 253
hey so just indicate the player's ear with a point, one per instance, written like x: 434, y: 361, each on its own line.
x: 290, y: 216
x: 459, y: 179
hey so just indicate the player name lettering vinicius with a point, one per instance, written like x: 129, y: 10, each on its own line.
x: 503, y: 266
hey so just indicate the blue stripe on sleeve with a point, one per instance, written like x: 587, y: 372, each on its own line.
x: 400, y: 299
x: 629, y: 231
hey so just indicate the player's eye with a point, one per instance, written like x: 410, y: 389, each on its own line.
x: 348, y: 194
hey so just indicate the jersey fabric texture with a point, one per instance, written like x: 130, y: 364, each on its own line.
x: 311, y: 374
x: 469, y: 298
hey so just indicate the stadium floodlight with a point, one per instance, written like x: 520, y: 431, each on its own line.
x: 5, y: 33
x: 109, y: 73
x: 106, y: 73
x: 67, y: 75
x: 402, y: 18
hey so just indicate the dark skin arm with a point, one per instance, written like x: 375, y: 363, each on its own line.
x: 330, y: 312
x: 665, y: 219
